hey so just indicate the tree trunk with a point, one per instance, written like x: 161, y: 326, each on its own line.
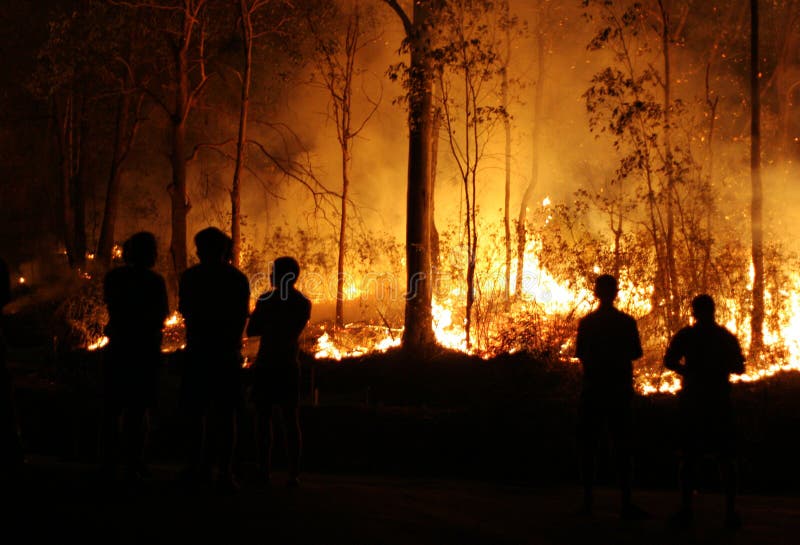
x: 79, y: 184
x: 673, y: 303
x: 418, y: 332
x: 708, y: 211
x: 434, y: 159
x: 178, y: 194
x: 346, y: 159
x: 527, y: 197
x: 756, y: 210
x: 472, y: 250
x: 105, y: 245
x: 124, y: 135
x: 507, y: 195
x: 64, y: 135
x: 241, y: 141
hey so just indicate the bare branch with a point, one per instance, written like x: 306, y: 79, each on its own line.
x: 407, y: 24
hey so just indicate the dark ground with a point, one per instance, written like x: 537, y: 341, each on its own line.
x: 449, y: 451
x: 60, y: 504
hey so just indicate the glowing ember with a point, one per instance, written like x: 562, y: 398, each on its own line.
x: 173, y: 319
x: 174, y: 335
x: 343, y: 344
x: 99, y: 343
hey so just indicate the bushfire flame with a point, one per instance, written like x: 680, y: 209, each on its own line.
x: 174, y: 336
x: 551, y: 300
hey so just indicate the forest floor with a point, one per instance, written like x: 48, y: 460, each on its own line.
x: 452, y: 451
x: 57, y: 502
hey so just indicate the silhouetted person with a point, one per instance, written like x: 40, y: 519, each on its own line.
x: 10, y: 447
x: 136, y: 298
x: 214, y: 300
x: 710, y: 354
x: 607, y: 343
x: 279, y: 318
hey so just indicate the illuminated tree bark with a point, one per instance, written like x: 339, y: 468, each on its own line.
x: 418, y: 332
x: 63, y: 117
x: 671, y: 280
x: 507, y: 130
x: 182, y: 24
x: 468, y: 66
x: 756, y: 205
x: 79, y: 183
x: 68, y: 113
x: 527, y: 197
x: 128, y: 106
x: 337, y: 50
x: 246, y: 10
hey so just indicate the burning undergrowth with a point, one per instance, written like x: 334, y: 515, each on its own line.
x: 536, y: 324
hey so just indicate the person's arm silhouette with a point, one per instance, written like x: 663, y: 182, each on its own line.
x: 255, y: 326
x: 5, y: 285
x: 675, y: 352
x: 162, y: 304
x: 736, y: 358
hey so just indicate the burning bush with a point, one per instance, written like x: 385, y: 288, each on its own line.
x: 80, y: 318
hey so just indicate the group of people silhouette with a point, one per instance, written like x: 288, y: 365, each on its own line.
x: 214, y: 299
x: 704, y: 354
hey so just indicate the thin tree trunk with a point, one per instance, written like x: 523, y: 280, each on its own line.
x: 434, y: 159
x: 527, y: 197
x: 79, y: 183
x: 418, y: 332
x: 178, y: 195
x: 124, y: 136
x: 712, y: 114
x: 346, y: 159
x: 241, y: 141
x: 105, y: 245
x: 673, y: 303
x: 64, y: 133
x: 345, y: 137
x: 756, y: 211
x: 507, y: 200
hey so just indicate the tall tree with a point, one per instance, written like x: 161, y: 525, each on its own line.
x: 418, y: 323
x: 624, y: 102
x: 504, y: 99
x: 468, y: 62
x: 182, y: 27
x: 70, y: 76
x: 337, y: 49
x: 247, y: 11
x: 542, y: 38
x: 670, y: 270
x: 123, y: 71
x: 756, y: 204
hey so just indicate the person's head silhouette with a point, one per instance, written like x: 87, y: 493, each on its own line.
x: 213, y: 246
x: 605, y: 289
x: 285, y: 271
x: 140, y: 250
x: 703, y: 309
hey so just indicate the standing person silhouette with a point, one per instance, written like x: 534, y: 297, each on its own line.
x: 607, y: 343
x: 136, y: 298
x: 709, y: 355
x: 11, y: 455
x: 214, y: 299
x: 279, y: 318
